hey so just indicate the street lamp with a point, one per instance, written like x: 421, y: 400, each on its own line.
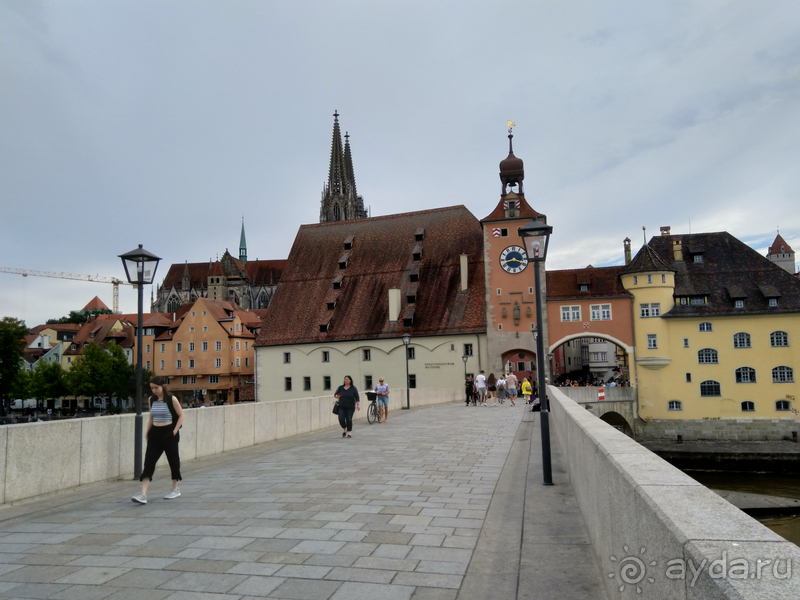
x: 140, y: 268
x: 536, y: 236
x: 406, y: 342
x: 465, y: 358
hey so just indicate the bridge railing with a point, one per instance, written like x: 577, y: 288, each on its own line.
x: 584, y: 395
x: 47, y: 457
x: 655, y: 529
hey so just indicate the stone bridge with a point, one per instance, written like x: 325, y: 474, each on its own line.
x: 618, y: 409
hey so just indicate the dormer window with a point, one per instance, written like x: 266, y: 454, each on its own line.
x: 584, y: 287
x: 411, y: 299
x: 417, y: 253
x: 323, y: 328
x: 414, y: 277
x: 738, y: 303
x: 698, y: 259
x: 773, y: 302
x: 348, y: 244
x: 419, y: 234
x: 408, y: 322
x: 337, y: 283
x: 331, y: 305
x: 343, y: 260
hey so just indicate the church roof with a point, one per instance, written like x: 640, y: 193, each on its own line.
x: 380, y: 259
x: 259, y: 272
x: 779, y: 246
x: 95, y: 303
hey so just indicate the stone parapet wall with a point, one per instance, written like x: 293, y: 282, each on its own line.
x: 744, y: 430
x: 655, y: 529
x: 585, y: 394
x: 43, y: 458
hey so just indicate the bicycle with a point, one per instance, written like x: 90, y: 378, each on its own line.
x: 372, y: 410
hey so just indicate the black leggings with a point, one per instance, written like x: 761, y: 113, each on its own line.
x: 346, y: 417
x: 159, y: 441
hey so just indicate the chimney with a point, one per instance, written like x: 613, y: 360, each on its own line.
x: 394, y: 305
x: 665, y: 230
x: 627, y: 244
x: 677, y: 251
x: 464, y: 272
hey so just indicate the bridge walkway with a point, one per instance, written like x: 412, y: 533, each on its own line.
x: 440, y: 503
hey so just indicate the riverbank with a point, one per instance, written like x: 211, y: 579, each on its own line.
x: 730, y: 456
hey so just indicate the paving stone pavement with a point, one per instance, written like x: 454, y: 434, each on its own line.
x: 393, y: 514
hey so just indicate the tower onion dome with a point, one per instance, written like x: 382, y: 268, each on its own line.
x: 512, y: 171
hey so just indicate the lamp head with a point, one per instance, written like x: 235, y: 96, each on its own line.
x: 140, y: 265
x: 536, y: 237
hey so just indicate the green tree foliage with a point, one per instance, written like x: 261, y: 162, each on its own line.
x: 123, y: 374
x: 12, y: 344
x: 79, y: 316
x: 48, y: 380
x: 99, y: 372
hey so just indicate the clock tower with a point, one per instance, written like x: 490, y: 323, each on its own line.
x: 510, y: 289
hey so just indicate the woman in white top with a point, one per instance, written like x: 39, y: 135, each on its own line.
x: 166, y: 418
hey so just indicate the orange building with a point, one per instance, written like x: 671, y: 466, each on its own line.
x: 208, y: 352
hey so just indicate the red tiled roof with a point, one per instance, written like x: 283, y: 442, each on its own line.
x: 259, y: 272
x: 101, y: 326
x: 525, y: 210
x: 380, y: 259
x: 73, y: 327
x: 776, y: 246
x: 95, y: 303
x: 602, y: 282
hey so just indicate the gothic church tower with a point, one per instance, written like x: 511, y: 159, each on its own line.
x: 340, y: 201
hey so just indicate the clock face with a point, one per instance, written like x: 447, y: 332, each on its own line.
x: 514, y: 259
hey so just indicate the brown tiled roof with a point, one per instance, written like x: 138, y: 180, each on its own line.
x: 602, y: 281
x: 71, y: 327
x: 259, y: 272
x: 525, y: 210
x: 95, y: 303
x: 380, y: 259
x: 730, y: 271
x: 648, y: 259
x: 101, y: 327
x: 776, y: 246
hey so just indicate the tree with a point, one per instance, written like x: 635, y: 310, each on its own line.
x: 123, y: 375
x: 12, y: 345
x: 80, y: 316
x: 48, y: 381
x: 90, y: 372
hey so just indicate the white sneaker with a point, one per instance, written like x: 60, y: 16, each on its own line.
x: 172, y: 494
x: 140, y: 498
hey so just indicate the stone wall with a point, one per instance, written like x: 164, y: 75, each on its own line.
x: 745, y: 430
x: 42, y: 458
x: 658, y: 532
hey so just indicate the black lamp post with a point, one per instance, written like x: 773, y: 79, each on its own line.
x: 536, y: 236
x: 465, y: 358
x: 140, y: 268
x: 406, y: 342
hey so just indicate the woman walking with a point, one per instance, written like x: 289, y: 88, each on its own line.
x: 526, y: 390
x: 347, y: 395
x: 166, y: 418
x: 491, y: 382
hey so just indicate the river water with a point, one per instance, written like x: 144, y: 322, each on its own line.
x: 786, y: 486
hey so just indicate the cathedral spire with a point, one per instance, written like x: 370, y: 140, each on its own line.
x: 350, y: 177
x: 243, y: 245
x: 340, y: 202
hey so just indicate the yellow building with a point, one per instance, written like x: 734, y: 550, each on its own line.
x: 716, y: 328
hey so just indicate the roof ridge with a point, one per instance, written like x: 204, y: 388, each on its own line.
x: 385, y: 217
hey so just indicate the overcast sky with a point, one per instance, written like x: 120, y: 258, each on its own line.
x: 163, y: 123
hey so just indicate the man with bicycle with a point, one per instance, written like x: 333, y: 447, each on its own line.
x: 382, y: 389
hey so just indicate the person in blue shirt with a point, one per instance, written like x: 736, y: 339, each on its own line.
x: 382, y: 389
x: 349, y: 403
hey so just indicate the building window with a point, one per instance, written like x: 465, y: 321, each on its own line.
x: 773, y: 302
x: 601, y: 312
x: 748, y: 406
x: 163, y: 365
x: 326, y: 357
x: 147, y: 365
x: 306, y: 384
x: 205, y: 346
x: 246, y: 346
x: 782, y: 374
x: 219, y: 346
x: 777, y: 339
x: 584, y: 287
x: 191, y: 363
x: 287, y: 358
x: 782, y: 405
x: 367, y: 382
x: 213, y: 379
x: 412, y: 381
x: 238, y: 362
x: 204, y: 312
x: 218, y: 363
x: 644, y: 311
x: 697, y: 300
x: 237, y: 327
x: 367, y: 355
x: 708, y: 356
x: 191, y: 329
x: 468, y: 349
x: 652, y: 341
x: 499, y: 291
x: 705, y: 327
x: 163, y: 348
x: 663, y: 279
x: 709, y: 388
x: 412, y: 352
x: 745, y: 375
x: 635, y: 280
x: 178, y: 347
x: 193, y: 313
x: 698, y: 259
x: 685, y: 342
x: 191, y: 346
x: 237, y: 346
x: 193, y: 379
x: 688, y: 378
x: 178, y: 364
x: 738, y: 304
x: 741, y: 340
x: 184, y: 380
x: 205, y: 329
x: 326, y: 382
x: 675, y: 405
x: 246, y: 361
x: 570, y: 313
x: 655, y: 309
x: 147, y: 348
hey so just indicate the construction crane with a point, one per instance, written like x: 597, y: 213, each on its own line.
x: 93, y: 278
